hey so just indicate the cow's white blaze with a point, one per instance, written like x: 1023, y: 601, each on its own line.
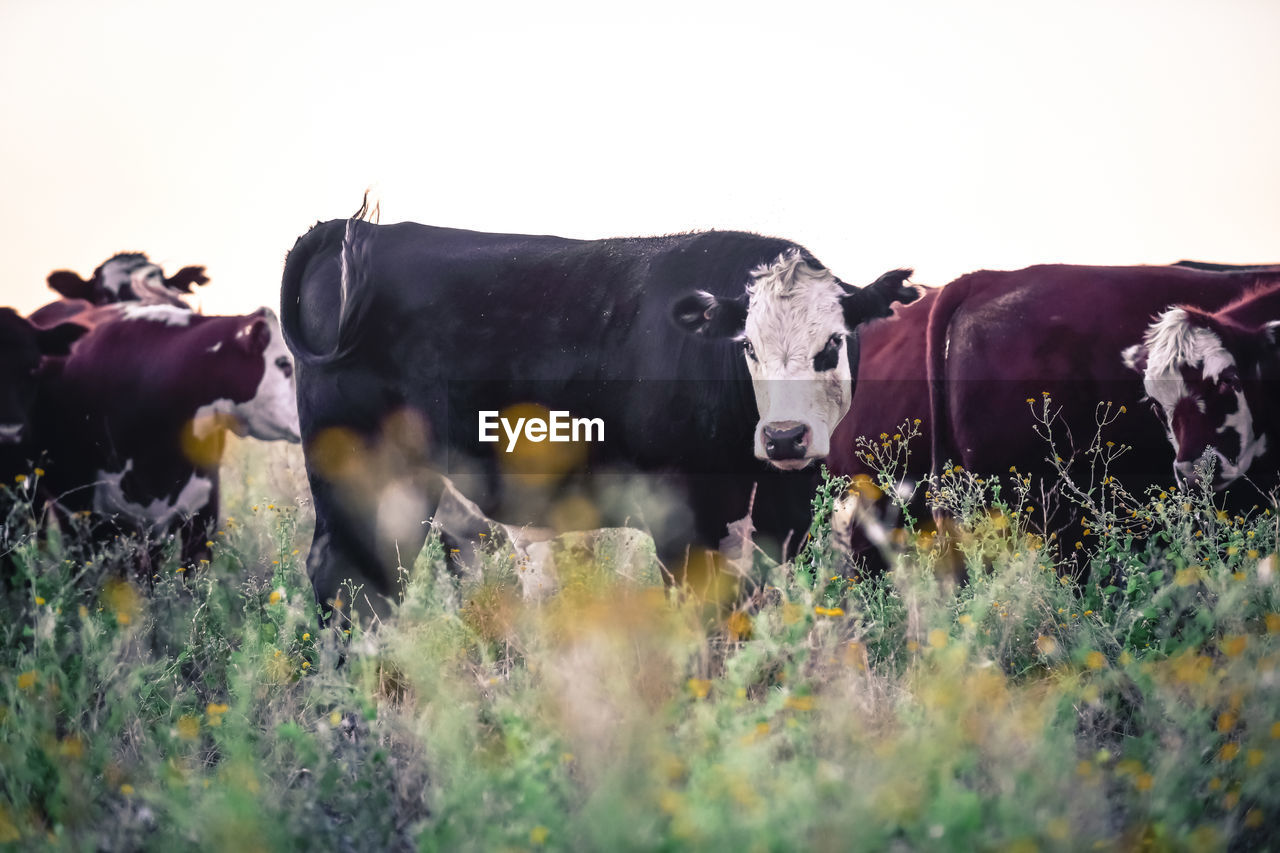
x: 794, y: 310
x: 1174, y: 343
x: 109, y: 499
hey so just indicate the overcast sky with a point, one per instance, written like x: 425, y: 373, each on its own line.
x: 941, y: 135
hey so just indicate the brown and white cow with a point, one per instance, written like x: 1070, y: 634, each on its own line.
x: 131, y: 424
x: 1211, y: 379
x: 999, y: 339
x: 128, y: 277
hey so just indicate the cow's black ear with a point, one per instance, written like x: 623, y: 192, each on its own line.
x: 1135, y: 358
x: 876, y: 299
x: 700, y: 313
x: 70, y: 285
x: 185, y: 277
x: 58, y: 339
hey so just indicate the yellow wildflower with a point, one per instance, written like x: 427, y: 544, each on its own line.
x: 1234, y: 645
x: 699, y: 687
x: 188, y: 727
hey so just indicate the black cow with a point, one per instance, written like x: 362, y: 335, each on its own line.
x: 22, y: 349
x: 998, y: 341
x: 1211, y: 378
x: 131, y: 424
x: 405, y: 333
x: 128, y: 277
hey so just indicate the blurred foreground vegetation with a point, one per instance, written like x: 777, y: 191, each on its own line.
x: 1017, y: 711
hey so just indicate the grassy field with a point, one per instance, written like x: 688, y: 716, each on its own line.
x: 1017, y: 711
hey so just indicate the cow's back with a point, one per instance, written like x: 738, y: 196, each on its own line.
x: 450, y: 322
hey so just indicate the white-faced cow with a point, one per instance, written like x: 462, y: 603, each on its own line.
x: 131, y: 424
x: 1211, y: 378
x: 716, y: 362
x: 128, y: 277
x: 999, y: 339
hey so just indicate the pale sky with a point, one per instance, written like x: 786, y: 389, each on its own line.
x: 935, y: 134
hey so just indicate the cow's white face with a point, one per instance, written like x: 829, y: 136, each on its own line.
x: 794, y: 344
x: 1194, y: 384
x: 272, y: 413
x: 120, y: 270
x: 793, y: 330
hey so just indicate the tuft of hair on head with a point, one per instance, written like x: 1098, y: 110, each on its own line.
x: 783, y: 273
x: 1170, y: 341
x: 365, y: 213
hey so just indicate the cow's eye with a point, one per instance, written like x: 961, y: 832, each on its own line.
x: 749, y: 350
x: 286, y: 366
x: 829, y: 357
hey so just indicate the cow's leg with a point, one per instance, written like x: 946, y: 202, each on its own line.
x: 367, y: 539
x: 200, y: 528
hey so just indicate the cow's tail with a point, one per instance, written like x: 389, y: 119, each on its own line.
x: 942, y: 445
x: 355, y: 293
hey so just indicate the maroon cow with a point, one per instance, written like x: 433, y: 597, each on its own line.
x: 893, y: 390
x: 128, y: 277
x: 999, y: 339
x: 131, y: 424
x: 1211, y: 378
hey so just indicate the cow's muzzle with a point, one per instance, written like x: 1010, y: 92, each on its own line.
x: 786, y: 440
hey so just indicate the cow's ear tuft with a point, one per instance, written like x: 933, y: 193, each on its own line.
x: 57, y: 340
x: 255, y: 336
x: 700, y: 313
x: 1135, y: 358
x: 70, y: 285
x: 876, y: 299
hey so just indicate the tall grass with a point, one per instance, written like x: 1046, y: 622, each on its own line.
x: 1017, y: 710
